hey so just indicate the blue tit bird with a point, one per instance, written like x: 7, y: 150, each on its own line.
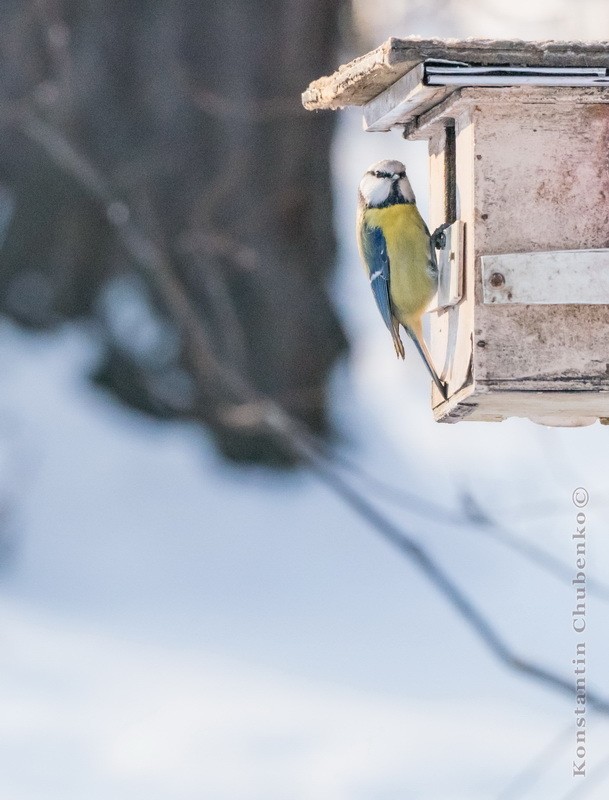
x: 398, y: 254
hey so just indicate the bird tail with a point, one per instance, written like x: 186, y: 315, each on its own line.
x: 397, y: 341
x: 419, y: 343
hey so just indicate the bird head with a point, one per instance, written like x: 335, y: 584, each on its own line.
x: 385, y: 184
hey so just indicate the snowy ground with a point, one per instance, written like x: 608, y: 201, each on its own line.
x: 174, y: 628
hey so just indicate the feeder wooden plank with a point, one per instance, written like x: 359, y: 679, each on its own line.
x: 550, y: 278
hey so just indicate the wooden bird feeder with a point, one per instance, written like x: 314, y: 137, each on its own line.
x: 519, y: 166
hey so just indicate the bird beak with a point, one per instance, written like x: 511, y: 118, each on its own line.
x: 395, y: 176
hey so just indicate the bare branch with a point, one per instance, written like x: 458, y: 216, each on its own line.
x: 408, y: 547
x: 238, y: 404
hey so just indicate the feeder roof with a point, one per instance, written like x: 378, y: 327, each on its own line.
x: 362, y: 79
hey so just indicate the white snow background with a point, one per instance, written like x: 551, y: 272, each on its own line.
x: 173, y: 628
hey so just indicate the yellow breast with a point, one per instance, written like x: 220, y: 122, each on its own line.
x: 411, y: 283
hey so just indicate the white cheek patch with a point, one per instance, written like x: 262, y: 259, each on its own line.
x: 375, y: 190
x: 406, y: 190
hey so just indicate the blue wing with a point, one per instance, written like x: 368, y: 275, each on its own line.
x: 374, y: 251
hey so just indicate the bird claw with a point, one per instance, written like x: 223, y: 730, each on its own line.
x: 438, y: 237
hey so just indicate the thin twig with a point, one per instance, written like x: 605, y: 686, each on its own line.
x: 472, y: 515
x: 531, y: 773
x: 262, y: 110
x: 542, y: 559
x: 225, y: 321
x: 596, y: 777
x: 145, y: 253
x: 216, y: 243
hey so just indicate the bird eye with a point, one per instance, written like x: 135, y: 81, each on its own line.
x: 402, y: 175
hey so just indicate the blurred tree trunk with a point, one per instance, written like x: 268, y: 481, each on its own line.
x: 192, y: 111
